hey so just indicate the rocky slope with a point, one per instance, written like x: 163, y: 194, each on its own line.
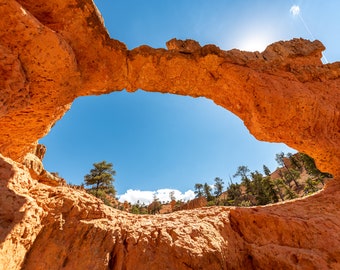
x: 55, y: 51
x: 46, y: 227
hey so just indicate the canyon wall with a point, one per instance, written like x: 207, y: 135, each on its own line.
x: 55, y: 51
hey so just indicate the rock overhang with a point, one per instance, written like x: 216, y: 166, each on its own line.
x: 58, y: 63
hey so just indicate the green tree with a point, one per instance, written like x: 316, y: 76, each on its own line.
x: 243, y: 171
x: 207, y: 192
x: 135, y: 209
x: 245, y: 203
x: 279, y: 185
x: 266, y: 170
x: 295, y: 161
x: 311, y: 186
x: 101, y: 179
x: 198, y: 190
x: 155, y: 206
x: 234, y: 193
x: 280, y: 159
x: 290, y: 194
x: 290, y: 174
x: 218, y: 186
x: 261, y: 188
x: 311, y: 168
x: 270, y: 190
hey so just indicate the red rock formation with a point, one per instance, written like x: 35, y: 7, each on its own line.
x: 55, y: 51
x: 63, y: 57
x: 46, y: 227
x: 193, y: 204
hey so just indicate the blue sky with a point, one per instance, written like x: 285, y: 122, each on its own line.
x: 161, y: 141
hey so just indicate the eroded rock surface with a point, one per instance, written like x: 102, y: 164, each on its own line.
x: 46, y: 227
x: 55, y: 51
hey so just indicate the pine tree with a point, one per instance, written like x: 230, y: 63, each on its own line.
x: 218, y: 186
x: 290, y: 194
x: 234, y: 193
x: 311, y: 186
x: 207, y: 192
x: 155, y: 206
x: 260, y: 189
x: 290, y: 172
x: 270, y: 190
x: 295, y: 161
x: 279, y: 184
x: 243, y: 171
x: 291, y: 175
x: 101, y: 179
x: 266, y: 170
x: 311, y: 168
x: 198, y: 190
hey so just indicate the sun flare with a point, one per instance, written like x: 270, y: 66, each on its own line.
x: 254, y: 43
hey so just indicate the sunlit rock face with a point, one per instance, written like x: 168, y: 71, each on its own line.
x: 55, y: 51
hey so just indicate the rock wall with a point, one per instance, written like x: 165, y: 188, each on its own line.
x: 193, y: 204
x: 55, y: 51
x: 47, y: 227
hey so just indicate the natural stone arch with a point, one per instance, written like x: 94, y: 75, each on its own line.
x: 58, y: 50
x: 56, y: 65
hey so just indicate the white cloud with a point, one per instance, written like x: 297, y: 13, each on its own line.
x: 133, y: 196
x: 188, y: 195
x: 295, y: 10
x: 146, y: 197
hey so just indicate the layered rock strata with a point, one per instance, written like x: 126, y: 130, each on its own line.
x: 55, y: 51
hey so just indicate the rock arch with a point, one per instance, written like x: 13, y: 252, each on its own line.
x: 49, y: 57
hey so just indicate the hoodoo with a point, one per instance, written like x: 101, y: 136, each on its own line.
x: 55, y: 51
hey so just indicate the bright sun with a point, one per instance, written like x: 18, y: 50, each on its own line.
x: 253, y: 43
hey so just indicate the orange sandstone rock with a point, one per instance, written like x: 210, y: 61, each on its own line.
x: 54, y: 51
x: 63, y: 56
x: 45, y: 227
x: 193, y: 204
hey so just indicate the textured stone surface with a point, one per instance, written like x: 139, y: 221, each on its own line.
x: 44, y: 227
x: 54, y: 51
x: 50, y: 56
x: 193, y: 204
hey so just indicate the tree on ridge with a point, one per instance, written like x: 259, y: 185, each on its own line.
x: 101, y: 179
x: 218, y: 187
x: 198, y: 190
